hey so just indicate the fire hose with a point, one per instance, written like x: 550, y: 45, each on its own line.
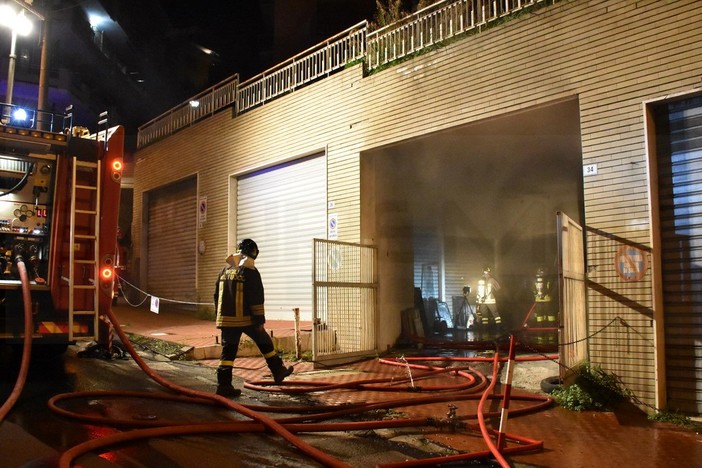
x: 267, y: 422
x: 27, y: 342
x: 287, y: 427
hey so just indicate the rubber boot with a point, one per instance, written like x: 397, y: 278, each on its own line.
x: 278, y: 369
x: 224, y: 383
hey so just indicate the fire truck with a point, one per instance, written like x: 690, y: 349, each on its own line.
x: 59, y: 202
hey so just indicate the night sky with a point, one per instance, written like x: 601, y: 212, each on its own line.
x: 250, y: 36
x: 163, y: 43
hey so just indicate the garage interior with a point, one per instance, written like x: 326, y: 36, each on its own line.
x: 443, y: 207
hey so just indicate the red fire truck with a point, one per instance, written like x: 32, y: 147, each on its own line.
x: 59, y: 201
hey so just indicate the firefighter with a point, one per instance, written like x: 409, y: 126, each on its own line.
x: 486, y: 307
x: 541, y: 290
x: 239, y: 307
x: 544, y: 311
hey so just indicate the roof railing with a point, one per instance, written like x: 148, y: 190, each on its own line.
x: 417, y: 32
x: 213, y: 99
x: 26, y: 122
x: 316, y: 62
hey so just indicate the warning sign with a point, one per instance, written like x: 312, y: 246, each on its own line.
x: 333, y: 227
x: 631, y: 263
x: 155, y: 303
x: 202, y: 210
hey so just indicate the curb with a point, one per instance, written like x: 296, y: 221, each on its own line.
x: 247, y: 348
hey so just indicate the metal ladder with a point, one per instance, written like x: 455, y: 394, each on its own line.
x: 88, y: 239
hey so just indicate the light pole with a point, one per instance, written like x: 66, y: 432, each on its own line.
x: 19, y: 25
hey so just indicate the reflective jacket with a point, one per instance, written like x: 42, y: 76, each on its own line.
x: 238, y: 297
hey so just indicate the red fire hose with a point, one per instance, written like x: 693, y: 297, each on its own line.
x: 267, y: 422
x: 303, y: 423
x: 27, y: 343
x: 288, y: 427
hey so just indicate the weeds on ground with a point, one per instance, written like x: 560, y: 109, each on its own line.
x: 289, y: 356
x: 677, y: 419
x: 593, y: 389
x: 174, y: 351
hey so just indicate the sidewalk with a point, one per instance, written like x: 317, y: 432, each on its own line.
x: 179, y: 326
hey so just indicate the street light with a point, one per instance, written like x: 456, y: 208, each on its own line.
x: 19, y: 25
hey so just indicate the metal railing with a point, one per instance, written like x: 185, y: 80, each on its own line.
x: 34, y: 122
x: 316, y: 62
x: 345, y: 283
x: 213, y: 99
x: 434, y: 24
x: 419, y: 31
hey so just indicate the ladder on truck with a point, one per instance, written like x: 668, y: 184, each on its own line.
x: 90, y: 239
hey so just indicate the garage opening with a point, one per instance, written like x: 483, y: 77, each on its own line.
x: 448, y: 207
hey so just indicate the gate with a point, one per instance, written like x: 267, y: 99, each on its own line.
x: 345, y: 297
x: 571, y: 283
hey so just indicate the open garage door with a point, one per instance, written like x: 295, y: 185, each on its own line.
x: 283, y: 208
x: 445, y: 207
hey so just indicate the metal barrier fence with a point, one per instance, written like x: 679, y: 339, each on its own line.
x: 425, y: 28
x: 345, y: 296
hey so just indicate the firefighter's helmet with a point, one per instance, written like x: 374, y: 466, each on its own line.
x: 249, y: 248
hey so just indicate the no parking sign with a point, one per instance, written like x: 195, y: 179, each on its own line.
x: 333, y: 227
x: 202, y: 210
x: 631, y: 263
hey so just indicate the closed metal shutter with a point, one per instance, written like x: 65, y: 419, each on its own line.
x: 679, y: 126
x: 283, y: 208
x: 171, y: 254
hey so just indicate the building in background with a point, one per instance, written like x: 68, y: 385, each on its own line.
x: 451, y: 158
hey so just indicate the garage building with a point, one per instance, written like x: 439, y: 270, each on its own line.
x: 457, y: 159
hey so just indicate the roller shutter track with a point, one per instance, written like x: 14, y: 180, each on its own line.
x: 283, y: 208
x: 680, y: 184
x: 171, y: 243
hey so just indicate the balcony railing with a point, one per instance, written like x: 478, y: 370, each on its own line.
x: 417, y: 32
x: 314, y: 63
x: 434, y: 24
x: 213, y: 99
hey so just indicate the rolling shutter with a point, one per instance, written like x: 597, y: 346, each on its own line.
x: 171, y: 253
x: 680, y: 187
x: 283, y: 208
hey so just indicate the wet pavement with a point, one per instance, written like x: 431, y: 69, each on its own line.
x: 624, y: 437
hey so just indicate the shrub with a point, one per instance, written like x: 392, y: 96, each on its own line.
x: 592, y: 389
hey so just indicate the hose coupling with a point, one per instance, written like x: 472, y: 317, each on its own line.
x: 453, y: 425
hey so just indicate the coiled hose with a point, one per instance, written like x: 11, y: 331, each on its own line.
x: 311, y: 416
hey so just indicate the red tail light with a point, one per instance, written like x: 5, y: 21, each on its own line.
x: 107, y: 273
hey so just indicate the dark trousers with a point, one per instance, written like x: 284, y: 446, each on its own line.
x: 231, y: 336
